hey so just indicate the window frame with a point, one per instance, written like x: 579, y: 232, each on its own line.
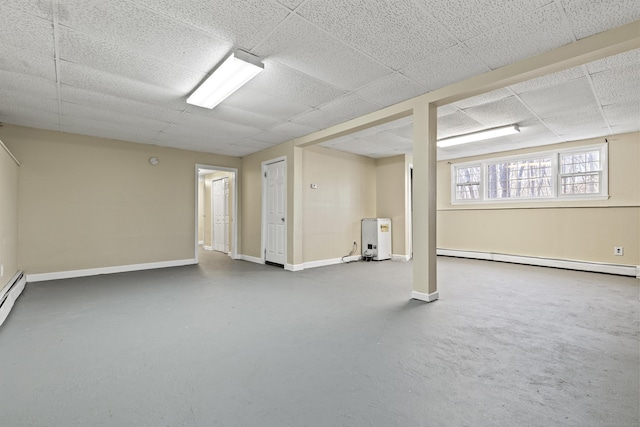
x: 556, y: 176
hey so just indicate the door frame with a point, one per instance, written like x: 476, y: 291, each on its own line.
x: 233, y: 180
x: 263, y: 226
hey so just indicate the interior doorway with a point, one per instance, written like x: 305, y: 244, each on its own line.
x: 274, y: 209
x: 216, y: 210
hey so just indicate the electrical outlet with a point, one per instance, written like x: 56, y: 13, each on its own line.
x: 314, y: 186
x: 618, y: 250
x: 355, y: 243
x: 2, y: 270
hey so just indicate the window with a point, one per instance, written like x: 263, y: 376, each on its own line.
x: 580, y: 173
x: 528, y: 178
x: 468, y: 183
x: 564, y: 174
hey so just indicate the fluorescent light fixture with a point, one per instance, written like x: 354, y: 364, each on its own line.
x: 479, y: 136
x: 236, y: 70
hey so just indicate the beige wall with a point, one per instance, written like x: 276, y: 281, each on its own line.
x: 391, y: 202
x: 208, y: 216
x: 8, y: 216
x: 573, y: 230
x: 88, y: 202
x: 251, y: 201
x: 332, y: 213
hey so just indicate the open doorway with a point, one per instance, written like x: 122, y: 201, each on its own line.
x: 216, y: 210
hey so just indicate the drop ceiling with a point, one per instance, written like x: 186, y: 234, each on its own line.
x: 123, y: 70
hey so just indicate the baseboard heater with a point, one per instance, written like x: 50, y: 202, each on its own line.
x: 10, y: 293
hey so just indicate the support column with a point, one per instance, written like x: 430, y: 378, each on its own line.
x: 425, y: 286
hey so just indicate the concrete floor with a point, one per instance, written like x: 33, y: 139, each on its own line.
x: 229, y: 343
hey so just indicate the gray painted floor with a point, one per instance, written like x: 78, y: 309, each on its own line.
x: 229, y: 343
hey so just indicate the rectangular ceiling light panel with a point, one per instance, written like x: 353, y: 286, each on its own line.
x: 479, y: 136
x: 236, y: 70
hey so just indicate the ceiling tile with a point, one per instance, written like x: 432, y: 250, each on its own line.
x: 405, y: 131
x: 101, y: 101
x: 575, y: 95
x: 337, y: 111
x: 444, y: 68
x: 292, y: 85
x: 101, y: 55
x: 19, y: 115
x: 575, y: 122
x: 468, y: 18
x: 503, y: 112
x: 190, y: 141
x: 23, y: 61
x: 396, y: 33
x: 268, y: 138
x: 210, y: 126
x: 457, y: 123
x: 524, y: 37
x: 291, y: 4
x: 101, y: 82
x: 533, y: 132
x: 40, y: 8
x: 484, y: 98
x: 29, y: 85
x: 390, y: 90
x: 623, y: 114
x: 104, y: 129
x: 235, y: 115
x: 242, y: 23
x: 32, y: 119
x: 123, y: 23
x: 615, y: 61
x: 625, y: 128
x: 618, y: 85
x: 20, y: 100
x: 461, y: 17
x: 294, y: 130
x: 588, y: 17
x: 27, y: 32
x: 305, y: 48
x: 264, y: 104
x: 110, y: 118
x: 549, y: 80
x: 445, y: 110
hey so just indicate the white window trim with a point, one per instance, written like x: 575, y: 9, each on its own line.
x: 555, y: 164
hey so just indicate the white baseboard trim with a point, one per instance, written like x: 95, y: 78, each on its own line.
x: 321, y: 263
x: 207, y: 248
x: 253, y: 259
x: 595, y: 267
x: 10, y: 293
x: 402, y: 258
x: 293, y: 267
x: 421, y: 296
x: 638, y: 272
x: 107, y: 270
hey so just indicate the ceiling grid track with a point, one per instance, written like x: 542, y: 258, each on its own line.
x: 56, y: 58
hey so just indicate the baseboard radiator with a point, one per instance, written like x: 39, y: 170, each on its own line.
x: 10, y: 293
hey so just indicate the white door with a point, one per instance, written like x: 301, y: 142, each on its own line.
x: 220, y: 211
x: 226, y: 215
x: 276, y: 232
